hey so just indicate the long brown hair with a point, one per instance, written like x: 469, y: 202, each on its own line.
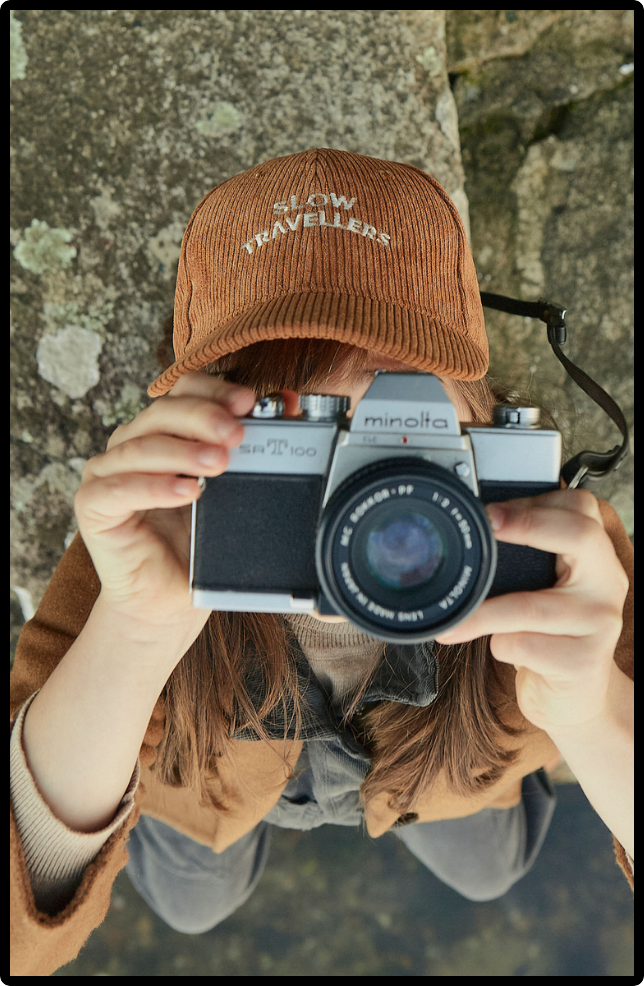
x: 206, y: 698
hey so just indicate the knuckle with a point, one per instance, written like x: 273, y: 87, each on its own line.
x: 116, y: 484
x: 79, y: 497
x: 90, y: 467
x: 582, y: 529
x: 116, y: 437
x: 621, y: 575
x: 619, y: 582
x: 117, y: 454
x: 528, y: 522
x: 585, y: 502
x: 215, y: 415
x: 585, y: 527
x: 610, y: 619
x: 134, y: 447
x: 617, y: 622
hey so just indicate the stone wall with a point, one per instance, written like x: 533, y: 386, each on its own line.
x: 123, y: 119
x: 545, y: 110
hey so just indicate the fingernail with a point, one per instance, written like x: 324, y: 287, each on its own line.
x: 496, y: 516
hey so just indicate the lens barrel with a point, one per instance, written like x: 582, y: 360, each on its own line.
x: 404, y: 550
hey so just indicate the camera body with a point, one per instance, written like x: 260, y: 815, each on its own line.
x: 379, y: 518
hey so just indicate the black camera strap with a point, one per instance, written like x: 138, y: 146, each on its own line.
x: 585, y: 467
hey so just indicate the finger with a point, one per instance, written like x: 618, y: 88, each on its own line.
x: 555, y: 612
x: 107, y: 502
x: 192, y: 417
x: 579, y: 501
x: 583, y: 548
x: 198, y: 384
x: 160, y: 453
x: 569, y: 659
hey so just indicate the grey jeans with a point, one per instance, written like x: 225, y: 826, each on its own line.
x: 480, y: 856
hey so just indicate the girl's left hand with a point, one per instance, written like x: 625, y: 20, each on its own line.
x: 561, y: 640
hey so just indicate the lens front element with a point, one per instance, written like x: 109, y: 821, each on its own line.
x: 404, y: 549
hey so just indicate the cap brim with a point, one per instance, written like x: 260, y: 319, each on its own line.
x: 432, y: 343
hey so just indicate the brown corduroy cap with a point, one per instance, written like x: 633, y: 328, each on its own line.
x: 332, y: 245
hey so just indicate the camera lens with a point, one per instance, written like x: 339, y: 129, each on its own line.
x: 404, y: 549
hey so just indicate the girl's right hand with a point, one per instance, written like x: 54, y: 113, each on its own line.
x: 134, y: 503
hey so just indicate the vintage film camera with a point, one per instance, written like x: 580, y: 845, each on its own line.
x: 381, y: 518
x: 378, y: 518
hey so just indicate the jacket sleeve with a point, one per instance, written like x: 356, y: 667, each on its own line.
x: 42, y: 942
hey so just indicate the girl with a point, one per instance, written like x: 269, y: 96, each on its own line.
x: 139, y: 719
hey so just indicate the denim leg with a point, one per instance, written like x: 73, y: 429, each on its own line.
x: 188, y: 885
x: 481, y: 856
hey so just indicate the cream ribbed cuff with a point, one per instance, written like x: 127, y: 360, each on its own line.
x: 55, y: 855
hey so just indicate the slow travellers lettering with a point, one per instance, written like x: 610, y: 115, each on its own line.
x: 305, y: 220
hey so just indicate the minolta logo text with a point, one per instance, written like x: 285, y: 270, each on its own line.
x: 421, y: 422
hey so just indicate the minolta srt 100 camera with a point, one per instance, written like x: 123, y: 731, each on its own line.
x: 378, y: 518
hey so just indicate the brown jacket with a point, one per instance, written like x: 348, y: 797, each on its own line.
x: 251, y: 778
